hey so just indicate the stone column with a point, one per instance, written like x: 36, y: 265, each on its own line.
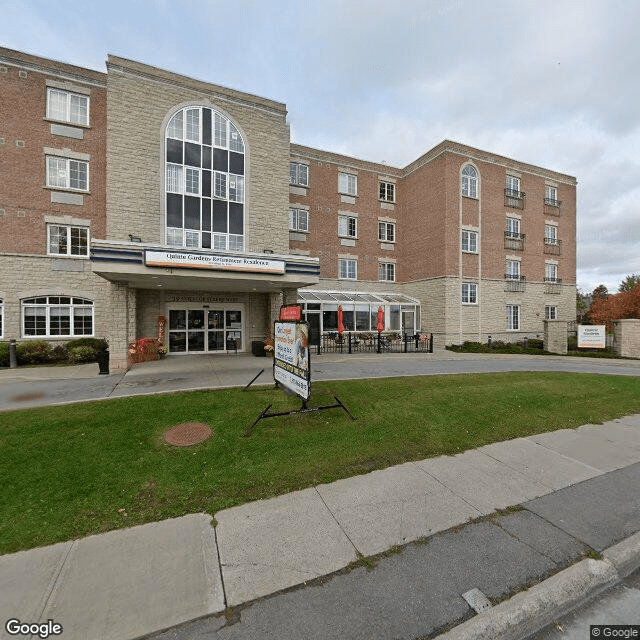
x: 555, y: 336
x: 627, y: 338
x: 122, y: 325
x: 273, y: 309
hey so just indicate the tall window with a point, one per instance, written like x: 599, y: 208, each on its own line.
x: 513, y: 317
x: 386, y: 231
x: 348, y: 184
x: 298, y: 220
x: 387, y: 191
x: 551, y: 312
x: 348, y: 226
x: 512, y: 186
x: 470, y: 182
x: 68, y: 241
x: 513, y: 228
x: 513, y: 269
x: 469, y: 293
x: 65, y: 173
x: 67, y: 107
x: 347, y: 269
x: 299, y: 174
x: 53, y: 316
x: 469, y: 241
x: 204, y: 181
x: 551, y: 272
x: 550, y: 234
x: 387, y: 272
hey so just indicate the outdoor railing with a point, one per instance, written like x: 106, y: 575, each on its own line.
x: 372, y: 342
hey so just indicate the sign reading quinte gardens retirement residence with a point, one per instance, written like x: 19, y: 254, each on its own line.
x: 291, y: 366
x: 592, y: 336
x: 212, y: 261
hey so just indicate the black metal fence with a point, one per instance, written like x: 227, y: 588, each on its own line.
x: 349, y: 342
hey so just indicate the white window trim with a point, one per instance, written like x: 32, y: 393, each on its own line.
x: 296, y: 179
x: 294, y: 220
x: 346, y: 262
x: 471, y: 286
x: 347, y: 180
x: 346, y: 218
x: 387, y: 184
x: 510, y: 317
x: 67, y: 177
x: 466, y: 182
x: 383, y: 268
x: 387, y: 224
x: 68, y: 228
x: 48, y: 306
x: 69, y: 94
x: 469, y: 233
x: 547, y: 312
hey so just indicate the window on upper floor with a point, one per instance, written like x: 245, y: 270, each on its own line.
x: 386, y: 231
x: 513, y: 270
x: 387, y: 191
x: 551, y: 196
x: 513, y: 228
x: 65, y: 240
x: 386, y: 271
x: 68, y: 107
x: 551, y: 272
x: 66, y: 173
x: 551, y: 312
x: 550, y: 234
x: 512, y: 186
x: 469, y: 180
x: 298, y: 220
x: 204, y: 181
x: 348, y: 226
x: 469, y: 293
x: 347, y: 269
x: 53, y: 316
x: 469, y: 241
x: 348, y: 184
x: 299, y: 174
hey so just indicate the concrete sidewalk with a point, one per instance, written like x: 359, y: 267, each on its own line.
x: 134, y: 582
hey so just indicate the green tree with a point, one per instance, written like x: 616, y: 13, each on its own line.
x: 629, y: 282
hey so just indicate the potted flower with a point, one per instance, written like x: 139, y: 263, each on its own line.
x: 162, y: 352
x: 268, y: 346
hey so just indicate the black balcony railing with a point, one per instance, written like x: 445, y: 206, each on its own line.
x: 553, y: 285
x: 513, y: 240
x: 552, y: 203
x: 513, y: 198
x: 514, y: 282
x: 552, y: 246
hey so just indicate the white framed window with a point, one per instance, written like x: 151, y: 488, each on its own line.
x: 513, y: 269
x: 550, y: 234
x: 387, y: 191
x: 298, y: 220
x: 386, y: 231
x: 347, y: 269
x: 513, y: 317
x: 550, y: 194
x: 513, y: 228
x: 66, y: 106
x: 1, y: 318
x: 469, y: 181
x: 53, y: 316
x: 469, y: 241
x: 348, y: 184
x: 236, y: 188
x: 299, y: 174
x: 192, y: 125
x: 512, y: 185
x: 192, y: 181
x: 551, y: 272
x: 65, y: 173
x: 469, y: 293
x: 386, y: 271
x: 348, y: 226
x: 65, y: 240
x: 550, y: 312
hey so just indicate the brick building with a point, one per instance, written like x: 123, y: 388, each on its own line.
x: 139, y: 201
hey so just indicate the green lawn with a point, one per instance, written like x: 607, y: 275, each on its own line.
x: 72, y: 471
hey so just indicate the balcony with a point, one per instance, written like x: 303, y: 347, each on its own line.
x: 514, y: 241
x: 552, y: 246
x: 513, y: 198
x: 514, y: 282
x: 553, y: 285
x: 552, y: 207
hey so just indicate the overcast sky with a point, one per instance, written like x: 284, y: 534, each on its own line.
x: 554, y: 83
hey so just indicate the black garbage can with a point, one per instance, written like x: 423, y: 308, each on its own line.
x: 102, y: 357
x: 257, y: 348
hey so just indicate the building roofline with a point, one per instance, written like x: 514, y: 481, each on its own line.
x: 125, y: 65
x: 49, y: 66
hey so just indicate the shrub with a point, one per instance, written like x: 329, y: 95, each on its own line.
x: 97, y: 344
x: 536, y: 343
x: 33, y: 352
x: 4, y: 354
x: 59, y: 353
x: 78, y: 355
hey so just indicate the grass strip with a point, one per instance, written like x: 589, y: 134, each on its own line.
x: 76, y: 470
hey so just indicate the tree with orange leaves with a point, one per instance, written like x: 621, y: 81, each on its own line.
x: 624, y: 304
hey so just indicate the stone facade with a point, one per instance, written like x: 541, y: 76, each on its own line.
x: 627, y: 338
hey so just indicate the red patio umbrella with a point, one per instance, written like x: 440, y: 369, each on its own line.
x: 340, y: 319
x: 380, y: 320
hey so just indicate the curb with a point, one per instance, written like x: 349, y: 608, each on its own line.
x: 528, y: 612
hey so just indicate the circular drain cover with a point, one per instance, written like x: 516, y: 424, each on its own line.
x: 187, y: 434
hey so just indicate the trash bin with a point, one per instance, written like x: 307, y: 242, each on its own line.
x: 102, y: 358
x: 257, y: 348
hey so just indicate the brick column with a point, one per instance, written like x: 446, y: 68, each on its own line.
x: 122, y: 324
x: 555, y: 336
x: 290, y: 296
x: 627, y: 338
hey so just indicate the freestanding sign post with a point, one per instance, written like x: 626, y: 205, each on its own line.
x: 592, y: 336
x: 292, y: 365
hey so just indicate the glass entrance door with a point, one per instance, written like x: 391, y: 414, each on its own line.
x: 205, y: 330
x: 408, y: 322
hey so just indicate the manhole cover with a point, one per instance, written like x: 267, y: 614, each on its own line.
x: 184, y: 435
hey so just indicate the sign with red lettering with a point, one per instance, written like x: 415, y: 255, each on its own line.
x: 291, y: 367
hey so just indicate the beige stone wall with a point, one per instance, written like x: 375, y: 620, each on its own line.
x: 627, y: 338
x: 555, y: 336
x: 141, y: 101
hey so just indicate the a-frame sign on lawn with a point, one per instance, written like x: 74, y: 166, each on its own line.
x: 292, y: 363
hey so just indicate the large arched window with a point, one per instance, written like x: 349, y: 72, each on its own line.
x: 54, y: 316
x: 470, y: 181
x: 204, y: 181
